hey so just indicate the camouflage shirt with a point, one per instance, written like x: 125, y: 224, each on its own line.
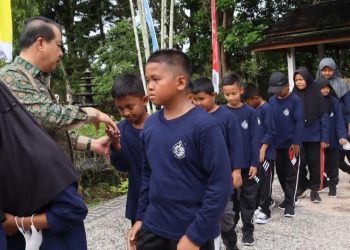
x: 31, y: 87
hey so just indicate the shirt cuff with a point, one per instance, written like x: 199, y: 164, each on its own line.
x: 82, y: 142
x: 91, y: 113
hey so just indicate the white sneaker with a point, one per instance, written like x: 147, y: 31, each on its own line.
x: 257, y: 211
x: 262, y: 218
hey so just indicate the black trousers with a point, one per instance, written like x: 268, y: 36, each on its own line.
x: 331, y: 165
x: 265, y: 174
x: 287, y: 175
x: 245, y: 200
x: 147, y: 240
x: 342, y: 164
x: 310, y: 157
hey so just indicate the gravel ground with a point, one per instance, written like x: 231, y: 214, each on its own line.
x: 316, y: 226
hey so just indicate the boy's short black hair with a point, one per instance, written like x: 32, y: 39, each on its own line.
x: 175, y: 58
x: 250, y: 91
x: 127, y: 85
x: 231, y: 79
x: 202, y: 84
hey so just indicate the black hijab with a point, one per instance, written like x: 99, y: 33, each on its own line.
x: 33, y: 169
x: 314, y: 103
x: 323, y: 82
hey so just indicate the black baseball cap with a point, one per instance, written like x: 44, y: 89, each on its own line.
x: 276, y: 82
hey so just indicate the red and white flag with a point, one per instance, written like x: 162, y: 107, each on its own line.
x: 215, y: 72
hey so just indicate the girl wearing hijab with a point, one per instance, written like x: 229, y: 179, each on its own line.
x: 337, y: 134
x: 329, y: 70
x: 38, y: 185
x: 315, y: 135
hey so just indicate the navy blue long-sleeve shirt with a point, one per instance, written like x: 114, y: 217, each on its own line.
x: 267, y: 130
x: 129, y: 159
x: 2, y: 238
x: 289, y: 120
x: 248, y: 121
x: 337, y: 128
x: 318, y: 131
x: 232, y: 135
x: 186, y: 178
x: 65, y: 216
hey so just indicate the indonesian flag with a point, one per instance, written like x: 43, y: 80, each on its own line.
x: 5, y: 30
x: 215, y: 73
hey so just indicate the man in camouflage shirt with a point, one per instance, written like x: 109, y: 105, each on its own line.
x: 28, y: 78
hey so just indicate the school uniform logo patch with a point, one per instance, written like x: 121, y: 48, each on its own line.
x: 331, y: 114
x: 259, y: 122
x: 244, y: 124
x: 179, y: 150
x: 286, y: 112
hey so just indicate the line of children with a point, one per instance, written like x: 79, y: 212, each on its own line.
x: 288, y: 113
x: 315, y: 134
x: 266, y: 137
x: 204, y: 96
x: 130, y: 99
x: 245, y: 199
x: 186, y: 176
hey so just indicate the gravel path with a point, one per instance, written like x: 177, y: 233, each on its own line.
x: 316, y: 226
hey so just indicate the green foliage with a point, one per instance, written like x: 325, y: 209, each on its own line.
x: 117, y: 56
x: 123, y: 187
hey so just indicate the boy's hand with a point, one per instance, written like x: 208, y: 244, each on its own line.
x: 186, y: 244
x: 324, y: 145
x: 132, y: 235
x: 101, y: 145
x: 114, y: 138
x: 236, y: 178
x: 9, y: 224
x: 296, y: 149
x: 343, y: 141
x: 263, y: 152
x: 252, y: 172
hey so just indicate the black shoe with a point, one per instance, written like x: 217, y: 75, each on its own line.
x: 282, y: 205
x: 315, y: 197
x: 301, y: 193
x: 229, y: 239
x: 332, y: 191
x: 289, y: 212
x: 248, y: 239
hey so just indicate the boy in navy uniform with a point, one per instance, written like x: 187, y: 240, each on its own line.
x: 130, y: 99
x: 248, y: 121
x: 337, y: 135
x: 186, y: 177
x: 204, y: 96
x: 266, y: 134
x: 289, y: 117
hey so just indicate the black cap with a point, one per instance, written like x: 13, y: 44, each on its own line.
x: 276, y: 83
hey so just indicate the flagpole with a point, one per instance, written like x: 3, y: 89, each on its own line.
x: 171, y: 25
x: 137, y: 41
x: 215, y: 71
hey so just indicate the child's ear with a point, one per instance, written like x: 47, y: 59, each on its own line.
x: 181, y: 83
x: 145, y: 100
x: 213, y: 94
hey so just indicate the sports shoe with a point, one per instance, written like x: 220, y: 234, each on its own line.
x: 315, y: 197
x: 262, y: 218
x: 301, y: 192
x: 248, y: 239
x: 289, y: 212
x: 332, y: 191
x: 282, y: 205
x: 272, y: 204
x: 257, y: 211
